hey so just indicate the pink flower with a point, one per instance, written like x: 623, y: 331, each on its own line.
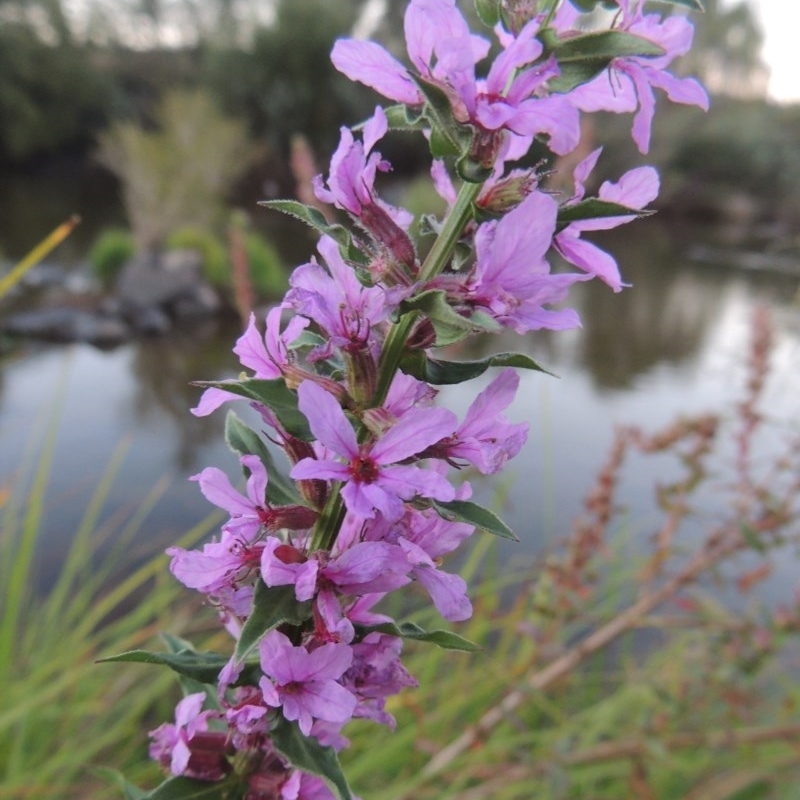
x: 511, y: 279
x: 627, y: 85
x: 372, y: 476
x: 267, y: 356
x: 444, y: 52
x: 486, y: 439
x: 636, y: 189
x: 188, y: 747
x: 347, y: 312
x: 304, y: 683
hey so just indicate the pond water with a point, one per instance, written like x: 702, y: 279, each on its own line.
x: 673, y: 344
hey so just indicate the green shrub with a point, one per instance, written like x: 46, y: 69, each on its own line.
x: 112, y: 248
x: 179, y: 172
x: 266, y: 270
x: 216, y: 267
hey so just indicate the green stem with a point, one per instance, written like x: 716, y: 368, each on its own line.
x: 327, y: 528
x: 329, y: 522
x: 437, y: 259
x: 550, y: 14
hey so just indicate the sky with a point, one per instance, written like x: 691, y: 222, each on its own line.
x: 780, y: 21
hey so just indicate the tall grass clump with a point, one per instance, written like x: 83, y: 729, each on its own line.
x: 62, y: 715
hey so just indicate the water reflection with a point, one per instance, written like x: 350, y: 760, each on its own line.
x: 672, y: 344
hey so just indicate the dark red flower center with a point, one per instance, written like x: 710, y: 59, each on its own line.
x: 363, y: 469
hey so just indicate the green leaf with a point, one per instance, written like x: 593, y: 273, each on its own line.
x: 449, y: 325
x: 597, y: 209
x: 309, y: 755
x: 275, y: 395
x: 192, y: 789
x: 448, y: 137
x: 575, y: 74
x: 316, y: 220
x: 467, y: 511
x: 604, y: 45
x: 245, y: 441
x: 582, y: 58
x: 272, y: 606
x: 129, y: 791
x: 695, y: 5
x: 203, y: 667
x: 442, y: 373
x: 311, y: 216
x: 752, y: 538
x: 175, y: 644
x: 447, y: 640
x: 488, y: 11
x: 401, y: 118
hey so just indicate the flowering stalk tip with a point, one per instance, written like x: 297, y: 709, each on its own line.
x: 350, y: 487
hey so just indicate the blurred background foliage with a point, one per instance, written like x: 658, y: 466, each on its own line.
x: 72, y: 71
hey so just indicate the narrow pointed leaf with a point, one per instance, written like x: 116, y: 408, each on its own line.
x: 245, y: 441
x: 447, y: 136
x: 582, y: 58
x: 449, y: 325
x: 488, y: 11
x: 441, y: 373
x: 447, y: 640
x: 480, y: 517
x: 309, y: 755
x: 401, y: 118
x: 275, y: 395
x: 597, y: 209
x: 311, y: 216
x: 316, y: 220
x: 604, y: 45
x: 272, y: 606
x: 175, y: 645
x: 203, y: 667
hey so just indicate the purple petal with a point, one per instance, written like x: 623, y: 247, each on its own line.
x: 217, y: 489
x: 326, y: 419
x: 448, y: 592
x: 417, y: 429
x: 363, y: 562
x: 318, y: 468
x: 637, y: 188
x: 406, y: 482
x: 328, y: 662
x: 375, y: 129
x: 370, y: 64
x: 212, y: 399
x: 257, y: 482
x: 590, y: 258
x: 327, y: 700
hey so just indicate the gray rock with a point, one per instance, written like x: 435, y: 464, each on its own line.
x: 67, y: 325
x: 170, y: 281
